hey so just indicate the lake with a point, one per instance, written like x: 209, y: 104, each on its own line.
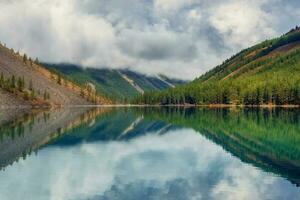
x: 151, y: 153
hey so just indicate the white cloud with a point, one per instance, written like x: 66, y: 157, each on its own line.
x: 243, y: 22
x: 195, y: 15
x: 171, y: 6
x: 181, y: 38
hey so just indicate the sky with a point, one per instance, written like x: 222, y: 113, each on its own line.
x: 178, y: 38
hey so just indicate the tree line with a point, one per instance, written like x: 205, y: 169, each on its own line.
x: 271, y: 80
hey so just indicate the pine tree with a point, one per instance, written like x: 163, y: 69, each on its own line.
x: 30, y: 62
x: 45, y: 95
x: 32, y: 94
x: 2, y: 80
x: 37, y: 61
x: 20, y: 84
x: 59, y: 79
x: 23, y: 82
x: 13, y: 82
x: 81, y: 92
x: 25, y: 58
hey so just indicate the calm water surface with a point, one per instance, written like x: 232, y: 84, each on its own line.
x: 151, y: 153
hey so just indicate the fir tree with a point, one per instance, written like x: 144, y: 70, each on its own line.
x: 20, y: 84
x: 25, y: 58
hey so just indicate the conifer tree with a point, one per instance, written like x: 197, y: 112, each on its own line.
x: 59, y: 79
x: 2, y: 80
x: 81, y: 92
x: 32, y: 94
x: 13, y: 82
x: 37, y: 61
x: 20, y: 84
x: 25, y: 58
x: 30, y: 62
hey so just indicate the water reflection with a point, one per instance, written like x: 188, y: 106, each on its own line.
x: 22, y: 136
x: 159, y: 154
x: 269, y: 139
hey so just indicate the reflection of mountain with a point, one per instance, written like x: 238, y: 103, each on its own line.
x: 121, y: 124
x: 268, y: 139
x: 20, y: 137
x: 25, y: 135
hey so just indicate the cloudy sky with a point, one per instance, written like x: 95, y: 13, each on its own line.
x: 179, y: 38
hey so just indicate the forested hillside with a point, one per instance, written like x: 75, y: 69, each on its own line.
x: 267, y: 73
x: 118, y: 85
x: 24, y: 81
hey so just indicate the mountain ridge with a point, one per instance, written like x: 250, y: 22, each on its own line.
x: 24, y: 82
x: 265, y: 74
x: 117, y: 84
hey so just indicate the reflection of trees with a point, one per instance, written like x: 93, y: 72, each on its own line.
x: 117, y: 124
x: 46, y: 116
x: 16, y: 127
x: 32, y: 131
x: 268, y: 139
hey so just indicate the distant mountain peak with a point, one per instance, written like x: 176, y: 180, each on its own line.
x: 117, y: 84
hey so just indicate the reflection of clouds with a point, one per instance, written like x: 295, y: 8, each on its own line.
x: 178, y: 165
x: 240, y: 187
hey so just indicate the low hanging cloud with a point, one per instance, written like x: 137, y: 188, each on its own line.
x: 157, y: 45
x: 179, y: 38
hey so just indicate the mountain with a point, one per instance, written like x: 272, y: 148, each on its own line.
x: 25, y: 82
x: 267, y: 73
x: 116, y: 84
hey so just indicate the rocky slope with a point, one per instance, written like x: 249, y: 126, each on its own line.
x: 15, y: 67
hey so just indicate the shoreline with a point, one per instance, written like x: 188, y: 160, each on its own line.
x: 207, y: 106
x: 32, y: 107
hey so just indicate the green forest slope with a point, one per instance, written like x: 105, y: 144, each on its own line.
x: 118, y: 85
x: 267, y: 73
